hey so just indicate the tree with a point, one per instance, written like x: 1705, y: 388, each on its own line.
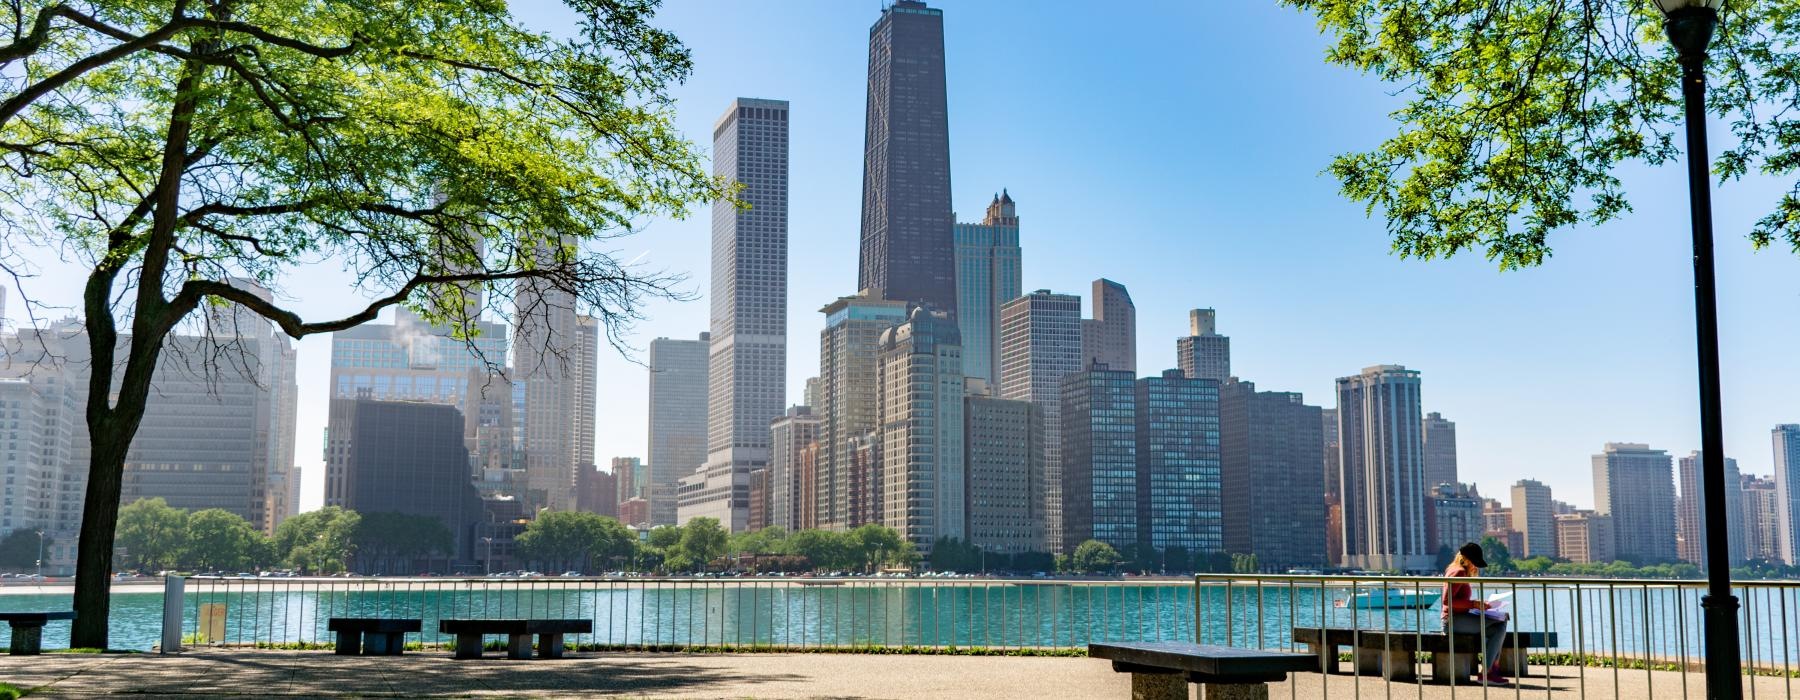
x: 219, y: 539
x: 152, y: 533
x: 19, y: 549
x: 1094, y: 556
x: 391, y: 542
x: 563, y: 539
x: 822, y: 549
x: 438, y: 151
x: 1498, y: 558
x: 318, y: 541
x: 702, y: 541
x: 1518, y: 114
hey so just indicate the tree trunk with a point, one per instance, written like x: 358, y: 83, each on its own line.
x: 99, y: 520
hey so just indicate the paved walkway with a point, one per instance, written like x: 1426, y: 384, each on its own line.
x: 243, y: 673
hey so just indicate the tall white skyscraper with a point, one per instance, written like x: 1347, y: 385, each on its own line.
x: 1204, y: 354
x: 1440, y: 453
x: 1382, y: 486
x: 678, y: 377
x: 1690, y: 511
x: 747, y: 387
x: 552, y: 344
x: 1110, y: 337
x: 921, y: 397
x: 1040, y: 343
x: 1533, y: 516
x: 988, y: 274
x: 1636, y: 486
x: 1786, y: 438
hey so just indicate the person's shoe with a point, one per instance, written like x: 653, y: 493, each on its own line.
x: 1495, y: 679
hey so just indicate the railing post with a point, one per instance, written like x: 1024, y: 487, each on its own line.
x: 173, y: 589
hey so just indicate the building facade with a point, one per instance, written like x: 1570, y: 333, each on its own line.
x: 1180, y: 489
x: 1204, y: 354
x: 747, y: 385
x: 1272, y: 452
x: 1786, y: 439
x: 1534, y: 517
x: 553, y: 358
x: 1762, y: 519
x: 1690, y: 511
x: 1439, y: 438
x: 1110, y: 337
x: 906, y: 245
x: 790, y: 436
x: 1457, y: 518
x: 1003, y: 443
x: 1585, y: 537
x: 922, y: 475
x: 989, y: 271
x: 1100, y: 461
x: 1382, y: 482
x: 408, y: 457
x: 849, y: 397
x: 678, y: 387
x: 1040, y: 344
x: 1635, y: 485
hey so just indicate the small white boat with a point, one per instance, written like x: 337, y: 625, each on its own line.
x: 1391, y: 599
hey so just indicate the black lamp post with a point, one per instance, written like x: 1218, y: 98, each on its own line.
x: 1690, y: 26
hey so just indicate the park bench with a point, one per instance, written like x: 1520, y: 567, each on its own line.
x: 28, y: 629
x: 518, y: 635
x: 1391, y: 654
x: 372, y: 636
x: 1162, y: 670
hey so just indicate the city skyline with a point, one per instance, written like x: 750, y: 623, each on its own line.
x: 1536, y: 348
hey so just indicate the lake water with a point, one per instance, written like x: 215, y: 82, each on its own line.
x: 1636, y: 620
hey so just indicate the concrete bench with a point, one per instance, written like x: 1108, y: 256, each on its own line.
x: 1162, y: 670
x: 1391, y: 655
x: 28, y: 629
x: 518, y: 633
x: 372, y: 636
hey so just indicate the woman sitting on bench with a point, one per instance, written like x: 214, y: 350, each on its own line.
x: 1463, y: 615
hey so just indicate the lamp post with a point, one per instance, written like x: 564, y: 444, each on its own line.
x: 1690, y: 25
x: 40, y: 559
x: 487, y: 562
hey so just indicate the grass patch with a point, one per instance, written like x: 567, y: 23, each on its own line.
x: 9, y: 691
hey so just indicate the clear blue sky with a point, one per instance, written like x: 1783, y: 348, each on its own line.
x: 1176, y: 148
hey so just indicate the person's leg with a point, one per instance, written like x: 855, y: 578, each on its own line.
x: 1495, y: 630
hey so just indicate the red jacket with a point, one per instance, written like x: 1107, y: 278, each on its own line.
x: 1458, y: 597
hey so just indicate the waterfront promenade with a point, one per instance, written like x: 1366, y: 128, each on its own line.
x: 248, y: 673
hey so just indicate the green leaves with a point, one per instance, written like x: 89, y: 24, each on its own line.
x: 1518, y: 112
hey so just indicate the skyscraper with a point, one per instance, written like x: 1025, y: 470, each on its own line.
x: 1532, y: 515
x: 1382, y: 484
x: 1636, y: 486
x: 1334, y: 510
x: 1439, y: 439
x: 790, y: 436
x: 988, y: 274
x: 921, y: 389
x: 1179, y: 482
x: 1272, y: 450
x: 407, y: 457
x: 1100, y: 461
x: 1585, y: 537
x: 1786, y: 438
x: 678, y: 384
x: 1690, y: 511
x: 906, y: 214
x: 633, y: 478
x: 1456, y: 515
x: 1762, y: 519
x: 849, y: 361
x: 1004, y: 446
x: 552, y: 349
x: 1204, y: 354
x: 747, y: 385
x: 1040, y: 343
x: 1110, y: 337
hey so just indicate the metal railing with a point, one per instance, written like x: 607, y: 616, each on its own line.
x: 1606, y: 637
x: 738, y: 613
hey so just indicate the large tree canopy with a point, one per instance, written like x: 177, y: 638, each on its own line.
x: 436, y: 149
x: 1519, y: 112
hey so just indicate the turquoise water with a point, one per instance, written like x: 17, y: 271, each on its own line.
x: 1635, y: 620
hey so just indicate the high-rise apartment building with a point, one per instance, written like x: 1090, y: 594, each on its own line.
x: 922, y: 478
x: 1636, y: 486
x: 790, y: 436
x: 1204, y: 354
x: 1382, y: 485
x: 1786, y: 439
x: 1272, y: 452
x: 1690, y: 511
x: 678, y: 386
x: 1762, y: 519
x: 849, y: 364
x: 988, y: 274
x: 1100, y: 460
x: 906, y: 246
x: 1003, y: 444
x: 748, y: 379
x: 1040, y: 344
x: 1180, y: 487
x: 553, y: 353
x: 1439, y: 439
x: 1110, y: 337
x: 1334, y: 510
x: 1534, y: 516
x: 1456, y: 517
x: 1585, y: 537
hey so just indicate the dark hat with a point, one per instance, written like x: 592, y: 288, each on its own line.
x: 1472, y: 552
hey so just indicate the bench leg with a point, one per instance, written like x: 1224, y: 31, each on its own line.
x: 1234, y: 691
x: 1327, y: 656
x: 1389, y: 664
x: 468, y: 646
x: 384, y: 643
x: 1513, y: 662
x: 27, y: 639
x: 1159, y: 686
x: 1445, y: 666
x: 550, y: 646
x: 518, y: 646
x: 349, y: 643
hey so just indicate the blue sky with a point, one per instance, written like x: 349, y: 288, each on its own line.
x: 1176, y: 148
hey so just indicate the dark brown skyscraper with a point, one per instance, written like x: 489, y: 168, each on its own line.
x: 906, y: 219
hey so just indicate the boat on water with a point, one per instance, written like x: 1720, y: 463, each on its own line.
x: 1391, y: 599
